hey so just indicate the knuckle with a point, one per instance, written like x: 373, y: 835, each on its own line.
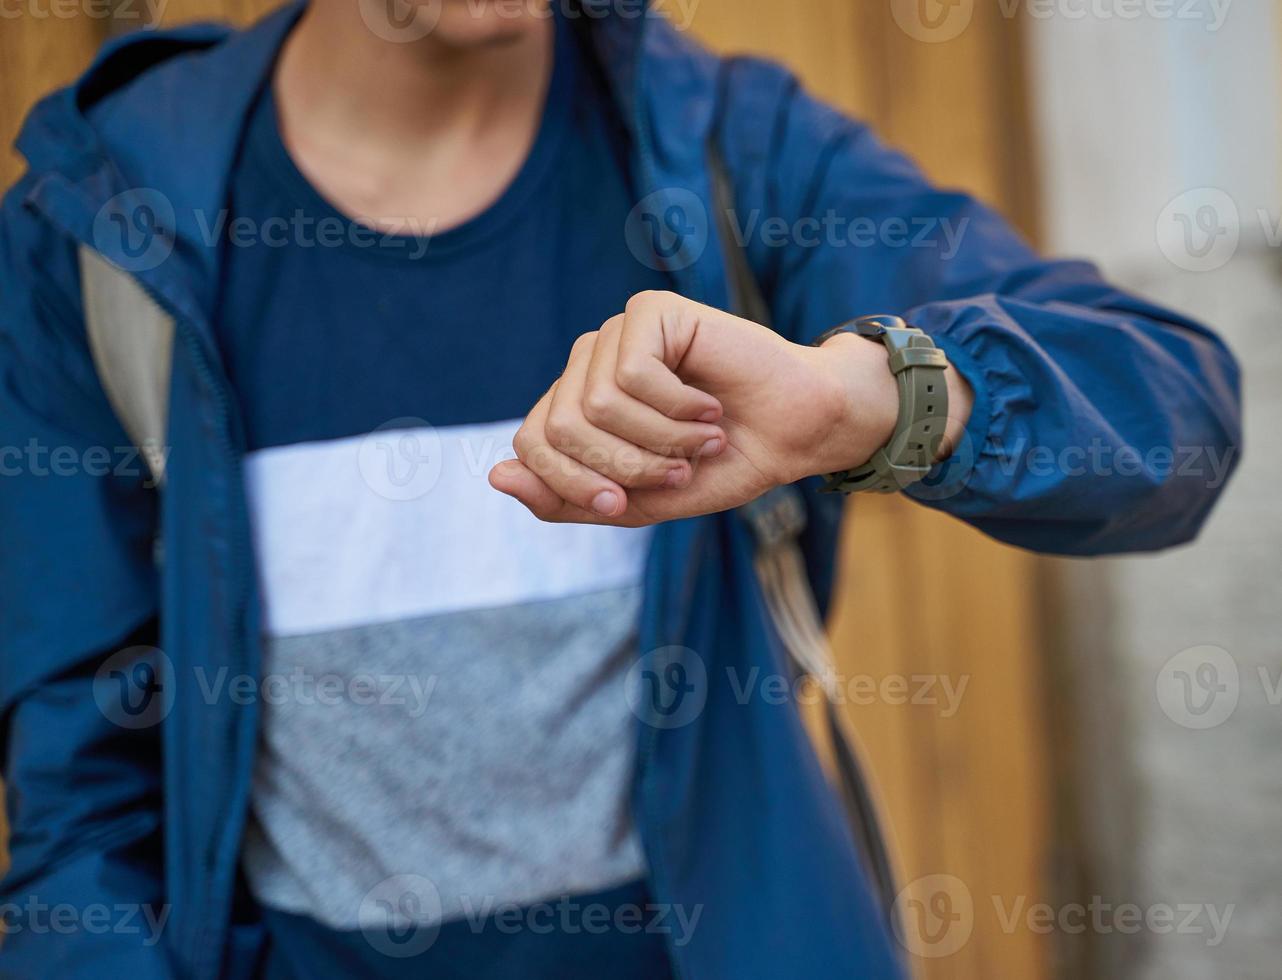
x: 584, y: 344
x: 560, y: 428
x: 598, y: 404
x: 646, y: 300
x: 630, y: 374
x: 522, y: 442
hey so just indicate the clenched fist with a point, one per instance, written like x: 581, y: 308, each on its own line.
x: 675, y: 409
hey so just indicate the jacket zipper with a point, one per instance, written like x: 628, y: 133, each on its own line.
x: 207, y: 940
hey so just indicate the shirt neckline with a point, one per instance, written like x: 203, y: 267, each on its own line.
x: 268, y: 152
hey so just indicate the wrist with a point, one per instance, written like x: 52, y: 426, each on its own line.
x: 862, y: 404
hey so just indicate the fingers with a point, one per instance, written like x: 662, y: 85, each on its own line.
x: 568, y: 430
x: 653, y: 336
x: 620, y: 431
x: 607, y: 407
x: 571, y: 480
x: 515, y: 479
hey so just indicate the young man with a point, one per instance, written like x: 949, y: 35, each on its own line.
x: 388, y: 732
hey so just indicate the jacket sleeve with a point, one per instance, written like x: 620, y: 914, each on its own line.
x: 1102, y: 423
x: 83, y: 893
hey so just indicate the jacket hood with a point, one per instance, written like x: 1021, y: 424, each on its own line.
x: 181, y: 88
x: 155, y: 123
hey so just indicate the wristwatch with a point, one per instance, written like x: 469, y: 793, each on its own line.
x: 918, y: 366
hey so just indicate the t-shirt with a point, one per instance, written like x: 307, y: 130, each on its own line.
x: 444, y: 725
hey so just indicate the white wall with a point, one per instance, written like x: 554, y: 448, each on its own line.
x: 1146, y: 126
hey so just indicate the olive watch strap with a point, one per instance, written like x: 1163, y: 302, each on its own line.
x: 918, y: 366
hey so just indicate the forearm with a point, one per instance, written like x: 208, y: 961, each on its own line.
x: 1098, y: 422
x: 1100, y: 425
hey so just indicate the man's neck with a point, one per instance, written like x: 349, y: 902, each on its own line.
x: 419, y: 135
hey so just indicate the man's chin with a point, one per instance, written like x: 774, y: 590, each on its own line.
x: 456, y: 24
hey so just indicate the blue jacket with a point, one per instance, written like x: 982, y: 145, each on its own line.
x: 732, y: 808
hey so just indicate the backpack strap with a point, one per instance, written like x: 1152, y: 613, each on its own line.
x: 132, y: 342
x: 777, y: 520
